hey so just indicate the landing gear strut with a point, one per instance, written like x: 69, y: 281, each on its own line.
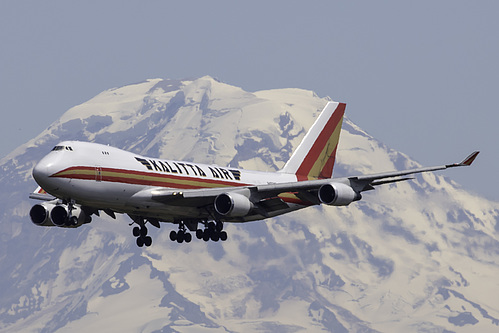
x: 72, y: 220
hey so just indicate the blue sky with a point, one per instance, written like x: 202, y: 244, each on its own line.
x: 421, y: 76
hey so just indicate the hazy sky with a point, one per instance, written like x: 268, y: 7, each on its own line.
x: 421, y: 76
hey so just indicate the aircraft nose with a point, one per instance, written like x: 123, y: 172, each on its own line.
x: 42, y: 171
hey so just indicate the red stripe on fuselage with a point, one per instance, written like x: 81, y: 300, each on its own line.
x: 134, y: 178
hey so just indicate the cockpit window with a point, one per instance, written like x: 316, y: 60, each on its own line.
x: 56, y: 148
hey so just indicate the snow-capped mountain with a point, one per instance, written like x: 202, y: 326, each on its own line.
x: 419, y: 256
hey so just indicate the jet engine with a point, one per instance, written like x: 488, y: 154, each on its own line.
x: 40, y: 214
x: 53, y: 214
x: 232, y: 204
x: 337, y: 194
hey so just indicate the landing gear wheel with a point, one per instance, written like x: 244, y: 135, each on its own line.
x: 143, y: 231
x: 215, y: 237
x: 147, y: 241
x: 180, y: 237
x: 206, y: 235
x: 211, y: 225
x: 223, y: 236
x: 187, y: 237
x: 199, y: 234
x: 173, y: 235
x: 140, y: 241
x: 73, y: 221
x: 136, y: 231
x: 219, y: 226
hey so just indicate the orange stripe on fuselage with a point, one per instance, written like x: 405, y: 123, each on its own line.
x: 143, y: 178
x: 328, y: 135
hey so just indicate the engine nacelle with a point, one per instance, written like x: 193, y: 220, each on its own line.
x: 337, y: 194
x: 40, y: 214
x: 61, y: 216
x: 232, y: 204
x: 51, y: 214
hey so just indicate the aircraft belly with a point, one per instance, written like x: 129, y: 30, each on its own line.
x: 91, y: 193
x: 167, y: 213
x: 170, y: 213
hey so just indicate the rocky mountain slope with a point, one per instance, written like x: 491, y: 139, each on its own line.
x: 419, y: 256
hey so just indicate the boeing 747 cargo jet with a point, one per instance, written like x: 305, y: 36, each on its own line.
x: 79, y: 179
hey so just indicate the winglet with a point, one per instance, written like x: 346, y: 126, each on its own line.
x: 467, y: 161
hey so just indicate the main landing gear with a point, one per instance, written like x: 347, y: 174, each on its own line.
x: 140, y: 231
x: 141, y: 234
x: 212, y: 231
x: 182, y: 234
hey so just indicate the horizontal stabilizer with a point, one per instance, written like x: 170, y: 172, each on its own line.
x: 40, y: 194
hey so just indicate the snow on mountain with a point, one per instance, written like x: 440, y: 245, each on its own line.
x: 419, y: 256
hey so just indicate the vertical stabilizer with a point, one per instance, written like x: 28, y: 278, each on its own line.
x: 314, y: 157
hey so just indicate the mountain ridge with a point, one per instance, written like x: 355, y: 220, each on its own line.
x: 420, y: 256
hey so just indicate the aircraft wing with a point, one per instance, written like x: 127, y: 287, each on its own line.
x: 367, y: 182
x: 358, y: 183
x: 189, y: 198
x: 266, y: 196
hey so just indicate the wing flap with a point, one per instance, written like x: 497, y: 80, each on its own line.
x: 273, y: 204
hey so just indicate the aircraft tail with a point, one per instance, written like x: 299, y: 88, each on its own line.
x: 41, y: 194
x: 314, y: 158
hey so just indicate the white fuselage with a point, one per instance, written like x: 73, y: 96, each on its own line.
x: 104, y: 177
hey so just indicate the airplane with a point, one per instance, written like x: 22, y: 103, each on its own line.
x: 80, y: 179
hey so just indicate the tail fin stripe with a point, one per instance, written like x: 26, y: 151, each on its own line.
x: 320, y: 159
x: 327, y: 170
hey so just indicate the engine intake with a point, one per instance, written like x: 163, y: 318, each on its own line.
x: 232, y: 204
x: 51, y: 214
x: 337, y: 194
x: 60, y: 215
x: 40, y: 214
